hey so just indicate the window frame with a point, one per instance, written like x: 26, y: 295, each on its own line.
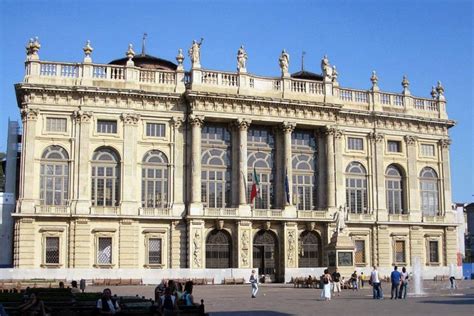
x: 165, y: 130
x: 399, y: 146
x: 363, y: 251
x: 116, y: 178
x: 163, y: 181
x: 392, y: 192
x: 357, y: 192
x: 423, y: 153
x: 108, y: 235
x: 162, y: 234
x: 52, y: 234
x: 104, y: 120
x: 63, y: 179
x: 353, y: 139
x: 426, y: 194
x: 433, y: 239
x: 394, y: 247
x: 53, y: 117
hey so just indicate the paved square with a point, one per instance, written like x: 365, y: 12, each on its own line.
x: 283, y: 299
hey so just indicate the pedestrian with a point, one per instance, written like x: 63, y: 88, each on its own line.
x: 168, y: 303
x: 362, y: 280
x: 336, y: 278
x: 452, y: 282
x: 403, y: 284
x: 106, y: 305
x: 395, y: 277
x: 82, y: 285
x: 254, y: 284
x: 375, y: 282
x: 326, y: 291
x: 354, y: 280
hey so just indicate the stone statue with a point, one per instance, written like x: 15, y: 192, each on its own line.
x: 284, y: 62
x: 197, y: 249
x: 241, y: 59
x: 245, y: 240
x: 326, y: 68
x: 194, y: 52
x: 340, y: 219
x: 291, y: 246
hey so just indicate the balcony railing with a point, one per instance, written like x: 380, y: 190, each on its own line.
x: 220, y: 211
x: 52, y: 209
x: 150, y: 211
x: 267, y: 213
x: 108, y: 210
x: 312, y: 214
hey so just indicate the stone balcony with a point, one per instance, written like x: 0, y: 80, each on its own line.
x: 293, y: 90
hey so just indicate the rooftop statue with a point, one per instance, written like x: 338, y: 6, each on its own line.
x: 284, y: 62
x: 195, y: 54
x: 241, y: 59
x: 326, y: 69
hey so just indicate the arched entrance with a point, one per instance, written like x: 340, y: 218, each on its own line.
x: 218, y: 250
x: 310, y: 251
x: 265, y: 253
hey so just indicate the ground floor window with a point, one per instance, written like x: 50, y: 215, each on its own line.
x: 51, y: 250
x: 218, y: 250
x: 104, y: 250
x: 400, y: 252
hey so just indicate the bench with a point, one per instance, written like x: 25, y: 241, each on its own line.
x: 234, y: 281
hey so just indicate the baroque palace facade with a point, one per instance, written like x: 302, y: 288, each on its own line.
x: 139, y: 164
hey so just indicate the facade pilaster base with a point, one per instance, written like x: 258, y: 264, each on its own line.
x: 27, y: 206
x: 178, y: 209
x: 129, y: 208
x: 81, y: 206
x: 245, y: 210
x: 196, y: 209
x: 289, y: 211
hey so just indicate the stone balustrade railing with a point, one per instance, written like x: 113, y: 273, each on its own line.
x: 204, y: 80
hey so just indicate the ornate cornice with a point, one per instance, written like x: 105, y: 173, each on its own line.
x: 130, y: 118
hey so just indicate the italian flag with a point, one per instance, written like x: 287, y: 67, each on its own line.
x: 255, y: 185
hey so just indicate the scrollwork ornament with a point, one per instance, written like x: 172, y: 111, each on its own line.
x: 243, y: 124
x: 376, y: 137
x: 82, y: 116
x: 196, y: 120
x: 288, y: 127
x: 29, y: 114
x: 130, y: 118
x: 410, y: 140
x: 335, y: 132
x: 445, y: 142
x: 176, y: 122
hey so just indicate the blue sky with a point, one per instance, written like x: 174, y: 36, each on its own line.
x: 427, y: 40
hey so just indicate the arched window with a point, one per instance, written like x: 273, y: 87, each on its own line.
x: 310, y: 250
x: 260, y: 158
x: 218, y: 250
x: 356, y: 188
x: 265, y: 252
x: 304, y: 169
x: 429, y: 192
x: 394, y: 188
x: 155, y: 180
x: 54, y: 176
x: 105, y: 177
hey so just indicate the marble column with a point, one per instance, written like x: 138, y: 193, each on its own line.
x: 288, y: 128
x: 130, y: 198
x: 29, y: 117
x: 243, y: 126
x: 81, y: 162
x: 196, y: 126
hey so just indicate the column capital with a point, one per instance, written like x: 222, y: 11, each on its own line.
x: 376, y: 137
x: 176, y: 122
x: 243, y: 124
x: 29, y: 114
x: 196, y: 120
x: 130, y: 118
x: 445, y: 142
x: 333, y: 131
x: 288, y: 127
x: 82, y: 116
x: 410, y: 140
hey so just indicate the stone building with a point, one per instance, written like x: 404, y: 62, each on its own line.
x: 139, y: 164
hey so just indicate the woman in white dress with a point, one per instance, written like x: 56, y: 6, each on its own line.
x: 326, y: 281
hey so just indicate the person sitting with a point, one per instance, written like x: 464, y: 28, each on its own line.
x: 309, y: 281
x: 187, y: 297
x: 74, y: 288
x: 61, y: 285
x: 33, y: 306
x: 168, y: 303
x: 106, y: 305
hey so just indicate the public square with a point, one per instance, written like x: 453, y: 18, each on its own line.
x: 284, y: 299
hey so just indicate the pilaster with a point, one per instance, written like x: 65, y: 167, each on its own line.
x: 291, y: 245
x: 412, y: 207
x: 446, y: 175
x: 377, y: 140
x: 177, y: 167
x: 196, y: 125
x: 287, y: 196
x: 83, y: 254
x: 128, y: 241
x: 451, y: 245
x: 130, y: 196
x: 384, y: 246
x: 26, y: 243
x: 417, y: 244
x: 244, y: 207
x: 244, y: 244
x: 177, y: 247
x: 322, y: 170
x: 197, y: 247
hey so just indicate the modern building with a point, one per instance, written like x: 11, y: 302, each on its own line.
x: 139, y: 164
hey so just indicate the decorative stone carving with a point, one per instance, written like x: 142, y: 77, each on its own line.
x: 219, y: 224
x: 130, y: 118
x: 245, y: 259
x: 29, y: 114
x: 180, y: 59
x: 340, y: 218
x: 291, y: 247
x: 374, y: 79
x: 326, y: 69
x: 87, y: 51
x: 337, y: 133
x: 440, y: 90
x: 410, y: 140
x: 445, y: 142
x: 267, y: 226
x: 433, y: 92
x: 310, y: 226
x: 405, y: 84
x: 82, y: 116
x: 195, y: 53
x: 130, y: 53
x: 288, y: 127
x: 35, y: 47
x: 196, y: 120
x: 245, y: 240
x: 197, y: 249
x: 243, y: 124
x: 376, y: 137
x: 176, y: 122
x: 284, y: 62
x: 242, y: 60
x: 335, y: 74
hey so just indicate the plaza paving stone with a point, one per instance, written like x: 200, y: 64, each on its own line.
x: 284, y: 299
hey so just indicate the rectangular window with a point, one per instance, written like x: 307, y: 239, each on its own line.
x: 400, y: 251
x: 154, y: 251
x: 52, y: 250
x: 359, y: 251
x: 55, y: 124
x: 433, y: 251
x: 155, y: 130
x: 106, y: 127
x: 394, y: 146
x: 104, y: 250
x: 427, y: 150
x: 355, y: 143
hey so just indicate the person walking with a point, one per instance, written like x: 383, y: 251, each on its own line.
x: 336, y: 278
x: 254, y: 283
x: 376, y: 287
x: 395, y: 277
x: 354, y: 280
x: 326, y: 291
x: 403, y: 284
x: 362, y: 280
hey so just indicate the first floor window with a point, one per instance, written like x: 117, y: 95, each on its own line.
x: 305, y: 191
x: 427, y: 150
x: 359, y: 251
x: 433, y: 251
x: 107, y: 126
x: 154, y: 251
x: 400, y: 251
x: 56, y: 124
x: 394, y: 146
x: 355, y: 143
x: 52, y: 250
x: 155, y: 129
x: 104, y: 250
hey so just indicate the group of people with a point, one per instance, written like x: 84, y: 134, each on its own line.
x: 169, y: 294
x: 398, y: 280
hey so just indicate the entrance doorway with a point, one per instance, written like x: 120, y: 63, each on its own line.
x: 265, y: 254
